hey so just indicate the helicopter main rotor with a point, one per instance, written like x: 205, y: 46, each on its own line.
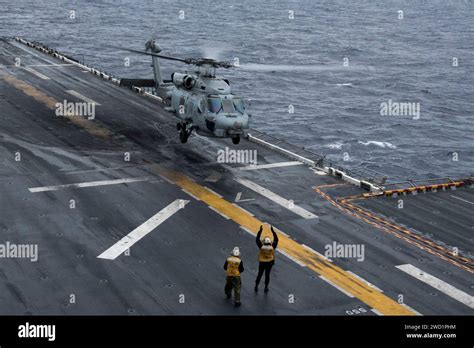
x: 191, y: 61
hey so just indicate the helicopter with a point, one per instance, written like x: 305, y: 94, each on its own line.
x: 202, y: 101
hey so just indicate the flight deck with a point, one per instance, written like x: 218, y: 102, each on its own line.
x: 77, y: 188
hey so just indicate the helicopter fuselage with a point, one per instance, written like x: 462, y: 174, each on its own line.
x: 205, y: 104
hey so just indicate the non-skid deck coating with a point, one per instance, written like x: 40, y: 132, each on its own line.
x: 82, y: 186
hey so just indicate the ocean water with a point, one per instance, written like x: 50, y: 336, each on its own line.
x: 334, y: 62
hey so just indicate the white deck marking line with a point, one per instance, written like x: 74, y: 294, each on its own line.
x: 247, y: 230
x: 214, y: 192
x: 438, y: 284
x: 337, y: 287
x: 277, y: 199
x: 218, y: 212
x: 239, y: 196
x: 270, y: 165
x: 189, y: 193
x: 238, y: 206
x: 52, y: 65
x: 365, y: 281
x: 88, y: 184
x: 461, y: 199
x: 411, y: 309
x: 34, y: 72
x: 166, y: 179
x: 80, y: 96
x: 314, y: 251
x: 376, y: 311
x: 141, y: 231
x: 291, y: 258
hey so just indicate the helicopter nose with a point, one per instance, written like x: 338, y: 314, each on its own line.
x: 238, y: 125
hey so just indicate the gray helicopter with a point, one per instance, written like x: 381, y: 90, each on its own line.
x: 202, y: 101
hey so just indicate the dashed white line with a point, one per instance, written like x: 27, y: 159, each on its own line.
x: 34, y: 72
x: 365, y: 281
x: 291, y: 258
x: 376, y: 311
x: 337, y: 287
x: 438, y: 284
x: 245, y: 210
x: 411, y: 309
x: 276, y: 198
x: 461, y: 199
x: 214, y: 192
x: 189, y: 193
x: 80, y: 96
x: 166, y: 179
x: 247, y: 230
x: 314, y: 251
x: 141, y: 231
x: 88, y: 184
x: 218, y: 212
x: 270, y: 165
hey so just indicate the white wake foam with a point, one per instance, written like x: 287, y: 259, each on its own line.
x: 382, y: 144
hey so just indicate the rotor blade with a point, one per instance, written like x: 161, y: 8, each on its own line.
x: 152, y: 54
x: 290, y: 68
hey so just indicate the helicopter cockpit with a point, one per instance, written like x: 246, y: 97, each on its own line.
x: 228, y: 106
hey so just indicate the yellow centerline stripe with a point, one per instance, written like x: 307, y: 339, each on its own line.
x: 90, y: 126
x: 372, y: 297
x: 338, y: 276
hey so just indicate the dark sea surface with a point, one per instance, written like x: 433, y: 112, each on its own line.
x: 336, y: 107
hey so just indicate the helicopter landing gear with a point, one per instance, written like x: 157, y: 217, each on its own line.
x: 184, y: 133
x: 236, y: 140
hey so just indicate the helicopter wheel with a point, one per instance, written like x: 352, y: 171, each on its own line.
x: 236, y: 140
x: 183, y: 136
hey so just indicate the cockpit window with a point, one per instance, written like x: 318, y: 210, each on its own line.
x: 215, y: 105
x: 228, y: 106
x: 239, y: 106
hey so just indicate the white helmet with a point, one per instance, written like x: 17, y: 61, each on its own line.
x: 236, y: 251
x: 267, y: 241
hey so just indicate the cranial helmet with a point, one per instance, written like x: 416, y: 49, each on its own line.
x: 267, y: 241
x: 236, y: 251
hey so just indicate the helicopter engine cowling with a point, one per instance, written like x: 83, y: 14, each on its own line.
x: 183, y: 80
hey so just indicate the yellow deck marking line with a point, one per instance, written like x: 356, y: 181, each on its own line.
x: 90, y: 126
x: 336, y: 275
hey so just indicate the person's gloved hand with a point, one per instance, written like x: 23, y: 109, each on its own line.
x: 261, y: 228
x: 272, y: 229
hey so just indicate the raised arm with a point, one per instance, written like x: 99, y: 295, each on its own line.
x: 259, y: 234
x: 275, y: 238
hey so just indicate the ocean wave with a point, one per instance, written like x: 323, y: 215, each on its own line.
x: 337, y: 145
x: 382, y: 144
